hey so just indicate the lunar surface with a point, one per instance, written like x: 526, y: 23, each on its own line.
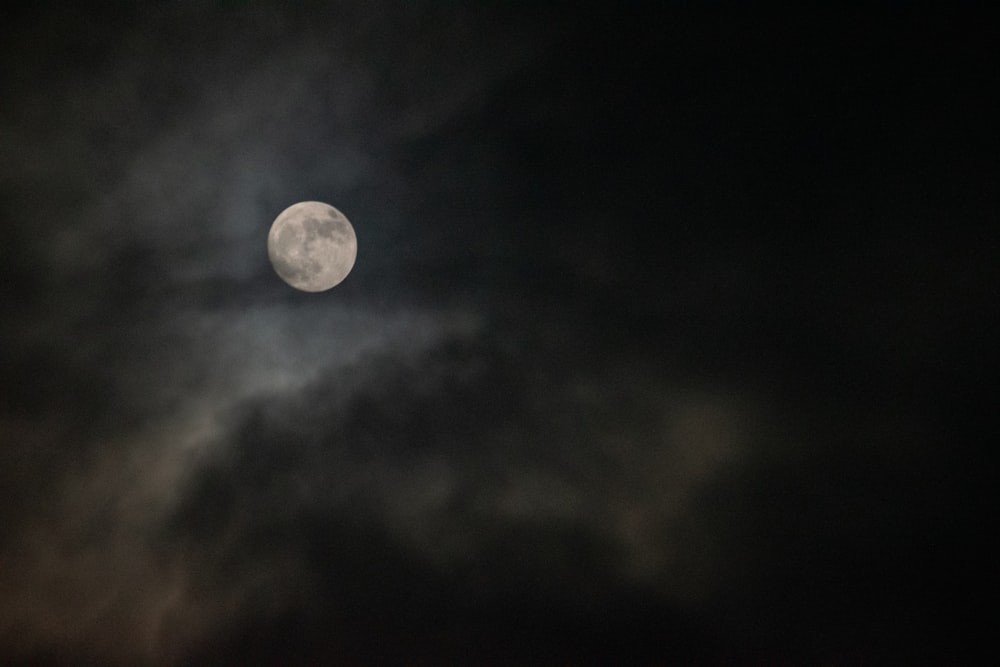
x: 312, y: 246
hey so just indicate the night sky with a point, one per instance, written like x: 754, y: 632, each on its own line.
x: 669, y: 339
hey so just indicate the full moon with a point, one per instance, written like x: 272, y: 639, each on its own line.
x: 312, y: 246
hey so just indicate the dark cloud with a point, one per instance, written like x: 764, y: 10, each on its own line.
x: 664, y: 342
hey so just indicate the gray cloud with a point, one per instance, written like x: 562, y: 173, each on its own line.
x: 591, y: 390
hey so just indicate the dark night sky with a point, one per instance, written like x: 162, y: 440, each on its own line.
x: 667, y: 340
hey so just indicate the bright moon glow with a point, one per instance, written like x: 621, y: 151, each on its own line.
x: 312, y: 246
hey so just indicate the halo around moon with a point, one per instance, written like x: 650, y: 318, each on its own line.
x: 312, y: 246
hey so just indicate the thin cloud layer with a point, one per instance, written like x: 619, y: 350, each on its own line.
x: 612, y: 381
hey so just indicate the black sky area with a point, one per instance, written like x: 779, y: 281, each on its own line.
x: 669, y: 341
